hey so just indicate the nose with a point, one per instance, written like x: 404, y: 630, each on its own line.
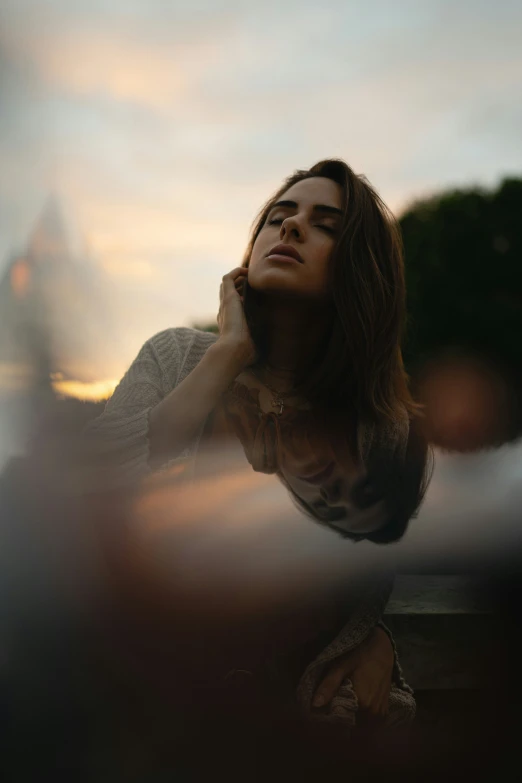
x: 290, y: 228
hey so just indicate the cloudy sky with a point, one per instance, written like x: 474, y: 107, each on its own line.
x: 164, y: 125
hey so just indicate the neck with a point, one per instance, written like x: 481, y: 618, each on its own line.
x: 294, y: 333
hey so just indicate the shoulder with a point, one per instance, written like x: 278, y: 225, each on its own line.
x: 178, y: 350
x: 180, y: 338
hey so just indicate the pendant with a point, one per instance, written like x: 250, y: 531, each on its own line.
x: 280, y: 402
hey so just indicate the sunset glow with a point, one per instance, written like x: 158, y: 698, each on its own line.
x: 93, y: 392
x: 20, y: 278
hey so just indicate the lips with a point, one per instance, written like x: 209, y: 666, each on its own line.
x: 286, y: 250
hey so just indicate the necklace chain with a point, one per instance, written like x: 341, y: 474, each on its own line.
x: 278, y: 397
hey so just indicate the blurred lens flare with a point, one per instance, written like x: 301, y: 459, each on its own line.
x: 469, y: 405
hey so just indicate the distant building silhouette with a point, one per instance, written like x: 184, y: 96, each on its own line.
x: 52, y: 306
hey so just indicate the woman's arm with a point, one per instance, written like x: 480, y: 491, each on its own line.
x: 145, y: 424
x: 362, y: 651
x: 175, y: 421
x: 370, y: 668
x: 142, y: 427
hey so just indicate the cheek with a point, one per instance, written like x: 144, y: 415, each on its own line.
x: 324, y: 253
x: 322, y: 262
x: 256, y: 255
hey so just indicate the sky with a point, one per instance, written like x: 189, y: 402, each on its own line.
x: 163, y: 126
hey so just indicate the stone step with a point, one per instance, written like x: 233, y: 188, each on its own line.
x: 443, y: 627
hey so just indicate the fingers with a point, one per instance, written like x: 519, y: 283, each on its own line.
x: 375, y: 711
x: 330, y: 685
x: 371, y: 702
x: 233, y: 281
x: 234, y: 278
x: 231, y: 287
x: 372, y: 687
x: 371, y: 683
x: 238, y: 273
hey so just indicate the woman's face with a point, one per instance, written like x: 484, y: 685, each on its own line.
x: 333, y: 503
x: 306, y: 219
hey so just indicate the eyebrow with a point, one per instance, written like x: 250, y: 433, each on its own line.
x: 316, y: 208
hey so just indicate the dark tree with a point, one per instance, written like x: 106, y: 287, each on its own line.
x: 463, y: 253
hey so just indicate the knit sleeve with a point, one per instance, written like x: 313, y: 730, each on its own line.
x: 119, y: 437
x: 362, y: 608
x: 366, y: 608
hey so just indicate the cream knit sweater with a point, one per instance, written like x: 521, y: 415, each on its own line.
x: 121, y: 432
x: 164, y: 361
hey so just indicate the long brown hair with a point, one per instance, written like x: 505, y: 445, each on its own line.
x: 360, y: 365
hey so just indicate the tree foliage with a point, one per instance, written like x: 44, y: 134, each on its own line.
x: 463, y: 252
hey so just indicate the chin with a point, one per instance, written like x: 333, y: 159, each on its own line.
x: 273, y: 281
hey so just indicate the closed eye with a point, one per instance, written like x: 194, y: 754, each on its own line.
x: 278, y: 221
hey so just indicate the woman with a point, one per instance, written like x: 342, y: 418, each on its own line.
x: 307, y: 372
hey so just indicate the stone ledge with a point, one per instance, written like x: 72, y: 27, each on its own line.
x: 443, y: 628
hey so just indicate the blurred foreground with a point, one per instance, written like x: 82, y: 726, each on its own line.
x: 118, y: 610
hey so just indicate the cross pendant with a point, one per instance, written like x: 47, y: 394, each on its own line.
x: 280, y: 402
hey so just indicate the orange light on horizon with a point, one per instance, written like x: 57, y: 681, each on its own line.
x: 20, y: 278
x: 94, y: 391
